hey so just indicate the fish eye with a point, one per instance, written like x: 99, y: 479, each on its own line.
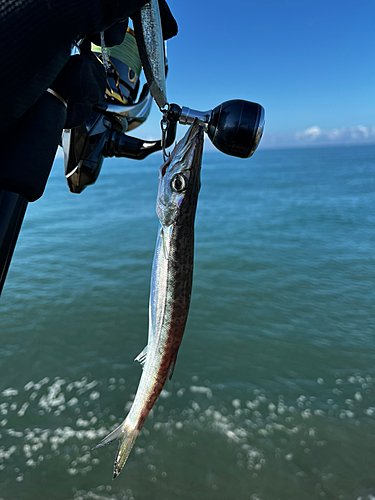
x: 179, y: 183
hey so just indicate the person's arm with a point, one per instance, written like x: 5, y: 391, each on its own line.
x: 35, y: 42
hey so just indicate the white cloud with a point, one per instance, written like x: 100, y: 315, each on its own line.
x: 364, y: 130
x: 310, y: 133
x: 344, y: 135
x: 317, y: 136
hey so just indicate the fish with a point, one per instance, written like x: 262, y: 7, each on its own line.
x: 149, y: 35
x: 171, y: 284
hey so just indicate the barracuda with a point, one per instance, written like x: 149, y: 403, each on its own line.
x: 171, y: 283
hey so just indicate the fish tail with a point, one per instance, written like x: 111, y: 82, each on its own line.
x: 127, y: 441
x: 126, y: 436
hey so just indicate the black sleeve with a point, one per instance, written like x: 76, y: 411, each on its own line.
x: 35, y: 42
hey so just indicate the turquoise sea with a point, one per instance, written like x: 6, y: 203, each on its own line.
x: 273, y: 395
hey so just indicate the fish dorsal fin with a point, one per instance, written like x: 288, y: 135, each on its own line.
x: 166, y: 233
x: 142, y: 356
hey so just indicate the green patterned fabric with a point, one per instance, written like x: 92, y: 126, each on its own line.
x: 127, y: 53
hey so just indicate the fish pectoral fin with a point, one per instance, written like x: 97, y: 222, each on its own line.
x: 166, y: 233
x: 142, y: 356
x: 171, y: 368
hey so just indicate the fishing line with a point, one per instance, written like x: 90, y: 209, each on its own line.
x: 164, y: 125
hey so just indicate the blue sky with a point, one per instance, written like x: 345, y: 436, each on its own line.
x: 309, y: 63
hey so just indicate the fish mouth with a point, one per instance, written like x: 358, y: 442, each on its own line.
x: 191, y: 133
x: 184, y: 147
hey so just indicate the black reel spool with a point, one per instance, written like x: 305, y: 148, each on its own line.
x: 235, y: 127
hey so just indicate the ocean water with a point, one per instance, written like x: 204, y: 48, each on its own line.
x: 273, y: 395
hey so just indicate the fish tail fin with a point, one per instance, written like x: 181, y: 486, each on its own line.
x: 116, y: 434
x: 126, y: 444
x: 126, y: 436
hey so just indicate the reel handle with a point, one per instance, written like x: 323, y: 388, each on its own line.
x: 235, y: 127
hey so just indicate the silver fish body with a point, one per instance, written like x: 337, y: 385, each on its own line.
x: 171, y: 283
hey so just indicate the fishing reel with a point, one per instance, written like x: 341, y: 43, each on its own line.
x: 235, y: 127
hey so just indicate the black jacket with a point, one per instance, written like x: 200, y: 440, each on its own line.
x: 35, y: 44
